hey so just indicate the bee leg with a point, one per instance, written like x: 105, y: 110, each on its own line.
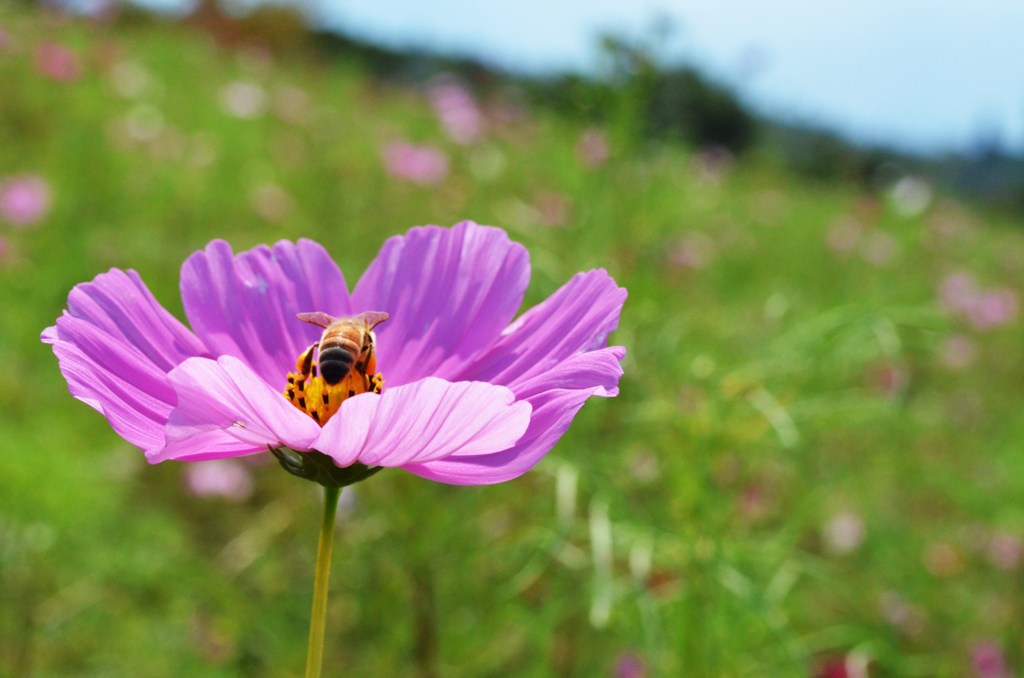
x: 305, y: 362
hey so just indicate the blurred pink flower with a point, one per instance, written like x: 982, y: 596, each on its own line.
x: 887, y: 378
x: 418, y: 164
x: 553, y: 208
x: 984, y: 309
x: 988, y: 661
x: 993, y: 308
x: 24, y: 200
x: 959, y: 352
x: 57, y: 62
x: 219, y: 478
x: 902, y: 615
x: 693, y: 250
x: 457, y: 110
x: 592, y: 148
x: 5, y: 39
x: 958, y: 292
x: 831, y: 667
x: 846, y: 666
x: 753, y: 502
x: 629, y: 665
x: 1005, y: 551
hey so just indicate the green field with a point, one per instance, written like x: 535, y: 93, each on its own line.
x: 813, y: 456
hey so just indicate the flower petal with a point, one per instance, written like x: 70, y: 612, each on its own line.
x: 119, y: 303
x: 115, y: 380
x: 556, y: 396
x: 424, y: 420
x: 450, y: 292
x: 578, y: 317
x: 245, y: 305
x: 226, y: 410
x: 115, y: 344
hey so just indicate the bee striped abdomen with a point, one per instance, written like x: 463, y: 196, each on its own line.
x: 336, y: 361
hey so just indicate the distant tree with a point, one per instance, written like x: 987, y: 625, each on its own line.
x: 677, y: 101
x: 280, y: 27
x: 686, y: 104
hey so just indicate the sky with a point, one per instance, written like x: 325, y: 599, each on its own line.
x: 924, y: 75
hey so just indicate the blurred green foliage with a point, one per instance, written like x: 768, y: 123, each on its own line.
x: 810, y: 458
x: 658, y: 102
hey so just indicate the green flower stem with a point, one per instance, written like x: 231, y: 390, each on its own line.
x: 318, y: 618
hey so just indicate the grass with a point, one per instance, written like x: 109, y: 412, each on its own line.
x: 772, y: 384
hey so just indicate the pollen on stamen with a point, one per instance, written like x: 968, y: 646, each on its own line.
x: 308, y: 392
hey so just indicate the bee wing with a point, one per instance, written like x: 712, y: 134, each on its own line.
x: 372, y: 318
x: 319, y: 319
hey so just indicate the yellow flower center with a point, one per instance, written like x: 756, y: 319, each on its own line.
x: 309, y: 392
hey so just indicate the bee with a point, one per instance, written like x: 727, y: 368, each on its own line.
x: 346, y: 362
x: 347, y: 344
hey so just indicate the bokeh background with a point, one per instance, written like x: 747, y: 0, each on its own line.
x: 815, y: 465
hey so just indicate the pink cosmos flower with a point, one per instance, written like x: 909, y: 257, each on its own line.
x: 988, y: 661
x: 693, y: 250
x: 219, y: 478
x: 1005, y: 551
x: 553, y: 208
x: 470, y: 396
x: 418, y: 164
x: 959, y: 292
x: 984, y: 309
x: 57, y: 62
x: 629, y: 665
x: 24, y: 200
x: 993, y: 308
x: 457, y: 110
x: 959, y: 352
x: 593, y: 148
